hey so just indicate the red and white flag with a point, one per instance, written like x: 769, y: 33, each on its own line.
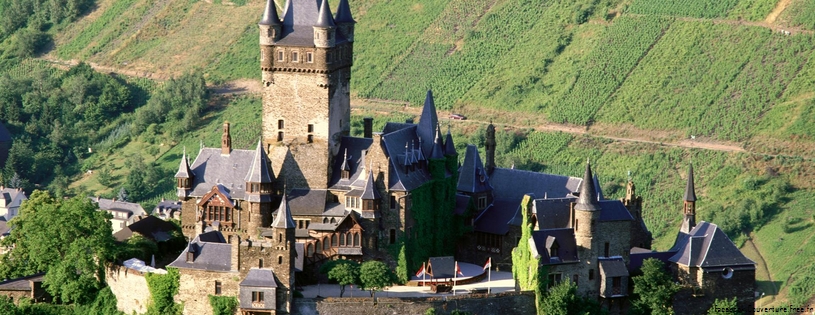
x: 458, y: 270
x: 421, y: 272
x: 488, y: 265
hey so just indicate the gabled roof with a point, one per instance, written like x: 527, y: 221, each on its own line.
x: 707, y: 246
x: 303, y: 201
x: 209, y: 256
x: 150, y: 227
x: 370, y: 191
x: 472, y: 176
x: 324, y: 18
x: 343, y: 14
x: 283, y: 218
x: 259, y: 278
x: 462, y: 203
x: 184, y: 167
x: 270, y: 14
x: 393, y: 145
x: 612, y: 267
x: 614, y: 210
x: 134, y: 209
x: 218, y: 191
x: 588, y: 194
x: 259, y: 172
x: 552, y: 213
x: 427, y: 123
x: 353, y: 161
x: 230, y: 171
x: 690, y: 192
x: 541, y: 242
x: 22, y: 283
x: 515, y: 183
x: 497, y: 217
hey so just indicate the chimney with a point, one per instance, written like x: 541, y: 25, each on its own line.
x: 234, y: 240
x: 368, y: 127
x: 226, y: 140
x: 191, y: 253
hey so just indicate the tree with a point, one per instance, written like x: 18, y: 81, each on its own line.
x: 70, y: 240
x: 375, y: 275
x: 724, y: 307
x: 654, y: 289
x: 122, y: 194
x: 562, y: 299
x: 345, y: 272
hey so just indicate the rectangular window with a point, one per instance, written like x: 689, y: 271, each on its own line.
x: 606, y: 250
x: 217, y: 287
x: 393, y: 236
x: 294, y: 57
x: 257, y: 297
x: 591, y: 274
x: 554, y: 279
x: 280, y: 56
x: 280, y: 124
x: 482, y: 203
x: 309, y: 57
x: 310, y: 138
x: 393, y: 202
x: 279, y: 136
x: 310, y: 127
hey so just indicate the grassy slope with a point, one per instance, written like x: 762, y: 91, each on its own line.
x: 696, y: 78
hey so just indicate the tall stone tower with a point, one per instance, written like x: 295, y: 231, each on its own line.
x: 306, y: 68
x: 283, y: 254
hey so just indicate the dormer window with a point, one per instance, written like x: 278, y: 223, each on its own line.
x: 346, y: 174
x: 553, y: 251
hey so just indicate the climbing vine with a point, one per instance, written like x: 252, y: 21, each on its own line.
x: 525, y: 268
x: 223, y: 305
x: 162, y: 290
x: 432, y: 208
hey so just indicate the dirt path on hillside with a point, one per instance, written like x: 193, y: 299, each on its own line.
x: 764, y: 24
x: 779, y: 7
x: 763, y: 265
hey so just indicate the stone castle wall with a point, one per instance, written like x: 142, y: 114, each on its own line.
x: 482, y: 304
x: 196, y: 286
x: 130, y: 288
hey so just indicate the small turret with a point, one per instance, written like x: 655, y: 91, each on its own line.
x: 427, y: 123
x: 449, y: 146
x: 689, y: 206
x: 226, y: 140
x: 437, y: 153
x: 184, y: 177
x: 325, y: 28
x: 489, y: 147
x: 588, y: 193
x: 270, y: 25
x: 345, y: 22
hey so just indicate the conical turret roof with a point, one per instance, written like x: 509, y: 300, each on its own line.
x: 370, y: 191
x: 588, y: 194
x: 690, y: 192
x: 324, y: 18
x: 345, y: 165
x: 259, y: 172
x: 438, y: 147
x: 283, y: 219
x: 184, y: 167
x: 270, y: 14
x: 427, y: 123
x: 449, y: 146
x: 344, y: 13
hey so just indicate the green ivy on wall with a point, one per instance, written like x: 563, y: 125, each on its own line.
x: 162, y: 290
x: 223, y: 305
x: 525, y: 268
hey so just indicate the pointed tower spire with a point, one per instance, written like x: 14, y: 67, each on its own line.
x: 690, y: 192
x: 588, y: 194
x: 259, y: 172
x: 370, y: 192
x: 449, y: 146
x: 184, y: 177
x: 427, y: 123
x: 184, y: 167
x: 344, y: 13
x: 283, y: 219
x: 270, y: 16
x: 324, y: 18
x: 437, y: 152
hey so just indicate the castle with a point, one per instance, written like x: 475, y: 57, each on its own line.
x: 260, y: 220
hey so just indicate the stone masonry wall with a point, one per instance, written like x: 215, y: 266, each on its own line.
x: 480, y: 304
x: 196, y: 286
x: 130, y: 288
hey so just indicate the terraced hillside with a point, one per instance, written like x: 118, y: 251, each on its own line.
x: 738, y: 72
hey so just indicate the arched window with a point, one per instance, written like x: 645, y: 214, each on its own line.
x: 326, y: 244
x: 356, y: 239
x: 342, y: 239
x: 334, y: 240
x: 333, y: 221
x: 317, y: 246
x: 310, y: 250
x: 325, y: 220
x: 280, y: 260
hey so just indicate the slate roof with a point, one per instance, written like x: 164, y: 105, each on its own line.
x: 587, y: 201
x: 150, y: 227
x: 134, y: 209
x: 707, y: 246
x: 343, y: 14
x: 283, y: 218
x: 211, y: 168
x: 497, y: 217
x: 462, y: 202
x: 449, y: 146
x: 598, y: 189
x: 184, y: 167
x: 165, y: 205
x: 472, y: 177
x: 210, y: 256
x: 426, y: 129
x: 299, y: 17
x: 437, y: 151
x: 307, y: 201
x: 324, y: 18
x: 370, y: 191
x: 612, y: 267
x: 542, y: 240
x: 354, y: 161
x: 270, y: 16
x: 4, y: 227
x: 259, y: 172
x: 515, y: 183
x: 635, y: 260
x: 14, y: 198
x: 442, y: 267
x: 21, y: 284
x: 552, y: 213
x: 690, y: 192
x: 613, y: 210
x: 259, y: 277
x: 394, y: 143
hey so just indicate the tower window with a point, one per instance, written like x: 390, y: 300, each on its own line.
x: 217, y: 287
x: 310, y: 138
x: 392, y: 236
x: 280, y: 124
x: 393, y: 202
x: 309, y: 57
x: 482, y: 203
x: 260, y: 263
x: 606, y: 250
x: 280, y: 56
x: 294, y: 57
x: 591, y: 274
x: 279, y: 136
x: 310, y: 127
